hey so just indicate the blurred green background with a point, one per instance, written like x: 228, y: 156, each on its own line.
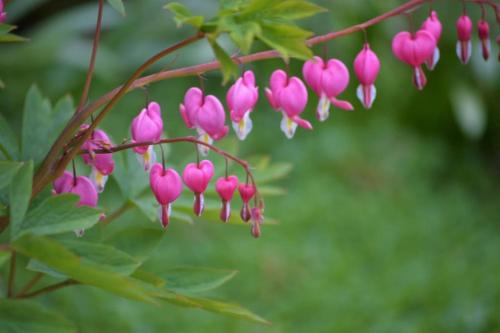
x: 391, y: 221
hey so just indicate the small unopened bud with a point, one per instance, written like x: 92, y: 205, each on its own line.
x: 255, y: 229
x: 257, y: 215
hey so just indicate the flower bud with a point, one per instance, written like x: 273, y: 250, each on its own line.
x: 166, y: 185
x: 464, y: 32
x: 225, y: 187
x: 147, y: 126
x: 241, y: 99
x: 483, y: 30
x: 366, y: 67
x: 247, y: 192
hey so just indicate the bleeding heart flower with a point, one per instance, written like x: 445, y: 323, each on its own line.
x: 81, y: 186
x: 166, y: 185
x: 147, y: 126
x: 464, y: 33
x: 241, y: 99
x: 483, y: 29
x: 414, y: 50
x: 3, y: 14
x: 102, y: 164
x: 433, y: 25
x: 247, y: 192
x: 206, y: 114
x: 225, y: 187
x: 196, y: 177
x: 288, y: 96
x: 366, y: 67
x: 328, y: 80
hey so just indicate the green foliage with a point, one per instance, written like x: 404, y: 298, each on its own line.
x: 19, y: 196
x: 182, y: 15
x: 7, y: 171
x: 9, y: 146
x: 228, y: 66
x: 196, y: 279
x: 58, y: 214
x: 6, y: 36
x: 18, y: 316
x: 118, y: 6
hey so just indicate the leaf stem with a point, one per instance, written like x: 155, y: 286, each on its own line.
x: 48, y: 289
x: 30, y: 284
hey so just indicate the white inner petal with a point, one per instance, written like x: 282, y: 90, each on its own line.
x: 243, y: 127
x: 207, y: 139
x: 323, y: 109
x: 288, y: 126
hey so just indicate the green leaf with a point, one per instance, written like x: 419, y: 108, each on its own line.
x: 129, y: 174
x: 4, y: 257
x: 7, y: 171
x: 228, y: 66
x: 138, y: 242
x: 287, y: 39
x: 196, y: 279
x: 228, y: 309
x: 36, y: 266
x: 272, y: 173
x: 19, y: 196
x: 148, y: 207
x: 182, y: 15
x: 60, y: 258
x: 148, y: 277
x: 8, y: 140
x: 8, y: 38
x: 283, y: 10
x: 58, y: 214
x: 118, y: 6
x: 19, y: 316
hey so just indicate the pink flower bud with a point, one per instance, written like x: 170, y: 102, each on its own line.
x: 81, y: 186
x: 147, y: 126
x: 327, y: 80
x: 196, y: 177
x: 241, y: 99
x: 483, y: 29
x: 288, y: 96
x: 247, y: 192
x: 366, y: 67
x: 166, y: 185
x: 464, y: 33
x: 257, y: 220
x: 433, y: 25
x: 206, y: 114
x: 225, y: 187
x: 3, y: 14
x: 414, y: 50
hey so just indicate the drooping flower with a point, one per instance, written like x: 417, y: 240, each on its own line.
x: 205, y: 114
x: 166, y: 185
x: 81, y: 186
x: 247, y: 192
x: 464, y: 33
x: 434, y: 26
x: 327, y: 80
x: 196, y: 177
x: 414, y: 49
x: 483, y: 29
x: 257, y: 220
x: 366, y: 67
x: 225, y: 187
x: 288, y: 96
x: 147, y: 126
x: 3, y: 14
x: 102, y: 164
x: 241, y: 99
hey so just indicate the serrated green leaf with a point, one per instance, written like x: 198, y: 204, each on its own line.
x: 65, y: 261
x: 36, y: 266
x: 9, y: 145
x: 118, y: 6
x: 228, y: 66
x: 58, y: 214
x: 244, y: 34
x: 19, y: 196
x: 7, y: 171
x: 295, y: 9
x: 289, y: 40
x: 196, y: 279
x: 19, y: 316
x: 182, y: 15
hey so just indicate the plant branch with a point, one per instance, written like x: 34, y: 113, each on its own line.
x: 95, y: 44
x: 50, y: 288
x: 12, y: 274
x: 30, y: 284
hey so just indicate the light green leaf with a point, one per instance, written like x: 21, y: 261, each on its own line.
x: 272, y: 173
x: 289, y: 40
x: 196, y: 279
x: 243, y: 35
x: 65, y: 261
x: 148, y: 207
x: 58, y: 214
x: 18, y: 316
x: 129, y: 174
x: 4, y: 257
x: 138, y: 242
x: 228, y: 66
x: 7, y: 171
x: 36, y: 266
x: 9, y: 146
x: 148, y: 277
x: 19, y: 196
x: 182, y: 15
x: 291, y: 10
x: 118, y: 6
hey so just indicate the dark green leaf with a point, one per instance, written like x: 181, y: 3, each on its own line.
x: 228, y: 66
x: 63, y: 260
x: 196, y: 279
x: 7, y: 172
x: 7, y: 38
x: 148, y: 277
x: 18, y: 316
x: 129, y: 174
x: 4, y: 257
x: 118, y: 6
x: 182, y: 15
x: 19, y: 196
x: 9, y: 145
x: 59, y: 214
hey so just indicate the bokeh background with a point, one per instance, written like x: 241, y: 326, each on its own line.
x: 391, y: 220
